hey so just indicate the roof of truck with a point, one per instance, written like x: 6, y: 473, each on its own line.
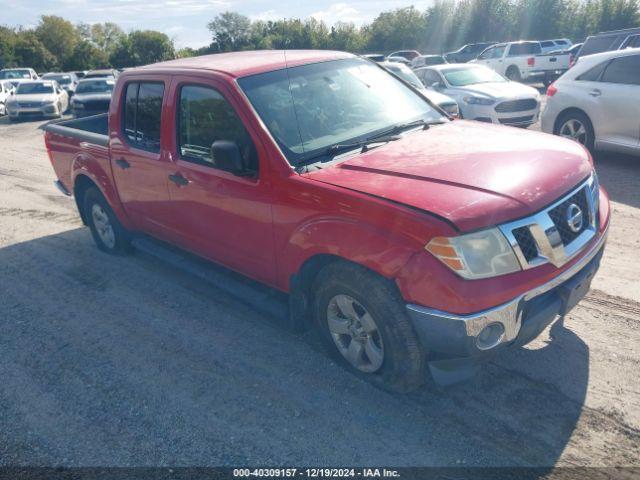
x: 240, y: 64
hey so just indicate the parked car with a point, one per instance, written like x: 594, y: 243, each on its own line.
x: 396, y: 59
x: 81, y: 73
x: 597, y: 102
x: 406, y: 238
x: 608, y: 41
x: 426, y: 60
x: 483, y: 94
x: 6, y: 90
x: 446, y: 103
x: 37, y: 98
x: 558, y: 45
x: 92, y: 97
x: 18, y: 73
x: 68, y: 81
x: 523, y: 61
x: 408, y: 54
x: 107, y: 72
x: 376, y: 57
x: 467, y: 52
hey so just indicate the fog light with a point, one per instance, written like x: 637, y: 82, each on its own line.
x: 490, y: 336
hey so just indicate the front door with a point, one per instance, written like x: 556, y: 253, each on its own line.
x: 138, y: 162
x: 222, y: 215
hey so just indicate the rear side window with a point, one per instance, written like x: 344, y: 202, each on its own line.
x: 625, y: 70
x: 142, y: 115
x: 594, y: 74
x: 524, y: 49
x: 204, y: 117
x: 597, y: 45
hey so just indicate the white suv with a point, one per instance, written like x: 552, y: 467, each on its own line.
x: 597, y: 102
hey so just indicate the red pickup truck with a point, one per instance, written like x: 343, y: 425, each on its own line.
x: 409, y: 240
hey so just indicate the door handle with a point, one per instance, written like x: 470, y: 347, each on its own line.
x: 122, y: 163
x: 595, y: 92
x: 179, y: 180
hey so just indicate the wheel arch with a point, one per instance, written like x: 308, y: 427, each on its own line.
x: 572, y: 109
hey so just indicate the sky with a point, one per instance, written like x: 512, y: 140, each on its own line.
x: 185, y: 21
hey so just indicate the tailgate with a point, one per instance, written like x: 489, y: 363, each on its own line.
x: 552, y: 62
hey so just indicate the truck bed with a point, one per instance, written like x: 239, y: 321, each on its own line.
x: 84, y: 140
x: 93, y: 129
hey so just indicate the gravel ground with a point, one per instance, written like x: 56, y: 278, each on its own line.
x: 145, y: 361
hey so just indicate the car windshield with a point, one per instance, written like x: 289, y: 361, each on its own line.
x: 461, y: 77
x: 34, y: 88
x: 313, y: 107
x: 406, y: 74
x: 61, y: 79
x: 15, y: 74
x: 97, y: 86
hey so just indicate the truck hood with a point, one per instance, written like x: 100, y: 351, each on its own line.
x: 474, y: 175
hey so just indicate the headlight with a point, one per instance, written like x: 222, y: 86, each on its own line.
x: 476, y: 255
x: 471, y: 100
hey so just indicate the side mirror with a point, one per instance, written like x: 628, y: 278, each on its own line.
x: 226, y: 156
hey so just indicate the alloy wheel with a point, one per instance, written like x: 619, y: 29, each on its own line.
x: 103, y: 226
x: 355, y: 333
x: 575, y: 130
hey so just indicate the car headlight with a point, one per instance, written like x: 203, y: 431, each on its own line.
x: 471, y: 100
x: 482, y: 254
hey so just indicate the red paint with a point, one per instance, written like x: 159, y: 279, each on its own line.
x: 377, y: 209
x: 551, y: 90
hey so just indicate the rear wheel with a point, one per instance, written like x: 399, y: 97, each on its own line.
x: 513, y: 74
x: 576, y: 126
x: 109, y: 235
x: 364, y: 325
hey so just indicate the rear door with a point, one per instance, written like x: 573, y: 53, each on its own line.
x: 219, y: 214
x: 139, y: 163
x: 618, y: 94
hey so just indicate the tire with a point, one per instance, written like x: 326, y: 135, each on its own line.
x: 351, y: 302
x: 576, y: 126
x: 513, y: 74
x: 107, y: 231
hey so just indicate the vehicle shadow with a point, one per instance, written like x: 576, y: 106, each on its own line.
x: 620, y: 175
x: 137, y: 361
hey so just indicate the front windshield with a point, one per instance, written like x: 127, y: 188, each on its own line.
x: 99, y: 86
x: 312, y: 107
x: 34, y: 88
x: 61, y: 79
x: 463, y: 76
x: 406, y: 74
x: 15, y: 74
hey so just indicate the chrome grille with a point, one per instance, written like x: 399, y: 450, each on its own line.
x: 517, y: 105
x: 547, y: 236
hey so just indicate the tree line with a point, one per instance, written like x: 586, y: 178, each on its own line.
x: 57, y: 44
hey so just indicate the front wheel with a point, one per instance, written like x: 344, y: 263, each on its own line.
x: 364, y: 325
x: 109, y: 235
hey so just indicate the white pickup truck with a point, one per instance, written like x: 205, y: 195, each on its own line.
x: 523, y: 61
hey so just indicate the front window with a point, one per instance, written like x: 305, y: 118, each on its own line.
x: 100, y: 86
x: 461, y: 77
x: 15, y: 74
x: 61, y: 79
x: 34, y: 88
x: 312, y: 107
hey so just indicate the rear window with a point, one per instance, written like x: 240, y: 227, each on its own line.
x: 96, y: 86
x: 524, y: 49
x: 547, y: 44
x: 597, y: 45
x: 142, y: 115
x: 15, y: 74
x: 624, y: 70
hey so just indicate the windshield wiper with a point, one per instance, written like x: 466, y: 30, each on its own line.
x: 338, y: 148
x: 396, y: 129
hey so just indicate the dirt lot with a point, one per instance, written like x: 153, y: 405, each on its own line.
x: 146, y: 361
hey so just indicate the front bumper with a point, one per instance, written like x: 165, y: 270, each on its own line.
x: 487, y: 114
x: 453, y: 339
x: 49, y: 110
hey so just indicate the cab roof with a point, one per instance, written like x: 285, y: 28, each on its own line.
x: 241, y: 64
